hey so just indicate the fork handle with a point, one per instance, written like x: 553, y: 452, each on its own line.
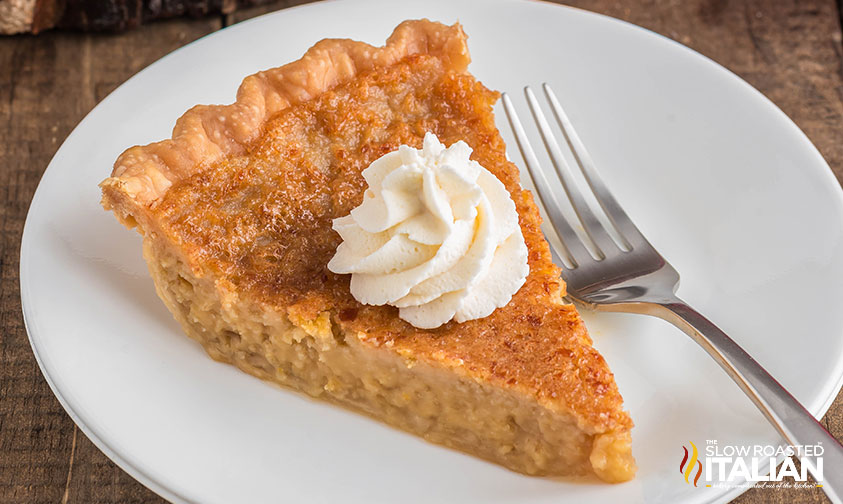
x: 793, y: 421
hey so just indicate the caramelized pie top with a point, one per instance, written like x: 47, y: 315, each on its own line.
x: 248, y: 192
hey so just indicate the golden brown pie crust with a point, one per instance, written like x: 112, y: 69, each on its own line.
x: 208, y: 133
x: 243, y: 195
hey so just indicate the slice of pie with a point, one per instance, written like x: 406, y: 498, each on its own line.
x: 236, y: 212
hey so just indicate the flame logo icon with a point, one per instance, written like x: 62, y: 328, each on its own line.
x: 686, y: 467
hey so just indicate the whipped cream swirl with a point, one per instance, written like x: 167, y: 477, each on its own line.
x: 437, y: 236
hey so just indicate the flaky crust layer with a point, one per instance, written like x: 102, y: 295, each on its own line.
x: 207, y: 134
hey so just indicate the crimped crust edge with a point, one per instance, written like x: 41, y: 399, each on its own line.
x: 206, y: 134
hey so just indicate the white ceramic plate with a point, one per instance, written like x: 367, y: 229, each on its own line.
x: 719, y: 179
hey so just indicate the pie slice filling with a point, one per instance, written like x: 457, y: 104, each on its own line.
x: 236, y: 212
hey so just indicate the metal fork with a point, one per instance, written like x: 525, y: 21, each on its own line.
x: 629, y: 275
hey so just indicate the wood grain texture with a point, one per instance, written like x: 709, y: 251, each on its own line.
x: 47, y: 85
x: 790, y: 50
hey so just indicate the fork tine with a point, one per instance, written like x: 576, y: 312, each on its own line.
x: 624, y: 226
x: 573, y: 249
x: 592, y: 226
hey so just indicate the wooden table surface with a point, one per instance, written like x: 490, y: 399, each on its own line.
x: 790, y: 50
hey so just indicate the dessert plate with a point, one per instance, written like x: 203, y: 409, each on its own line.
x: 719, y: 179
